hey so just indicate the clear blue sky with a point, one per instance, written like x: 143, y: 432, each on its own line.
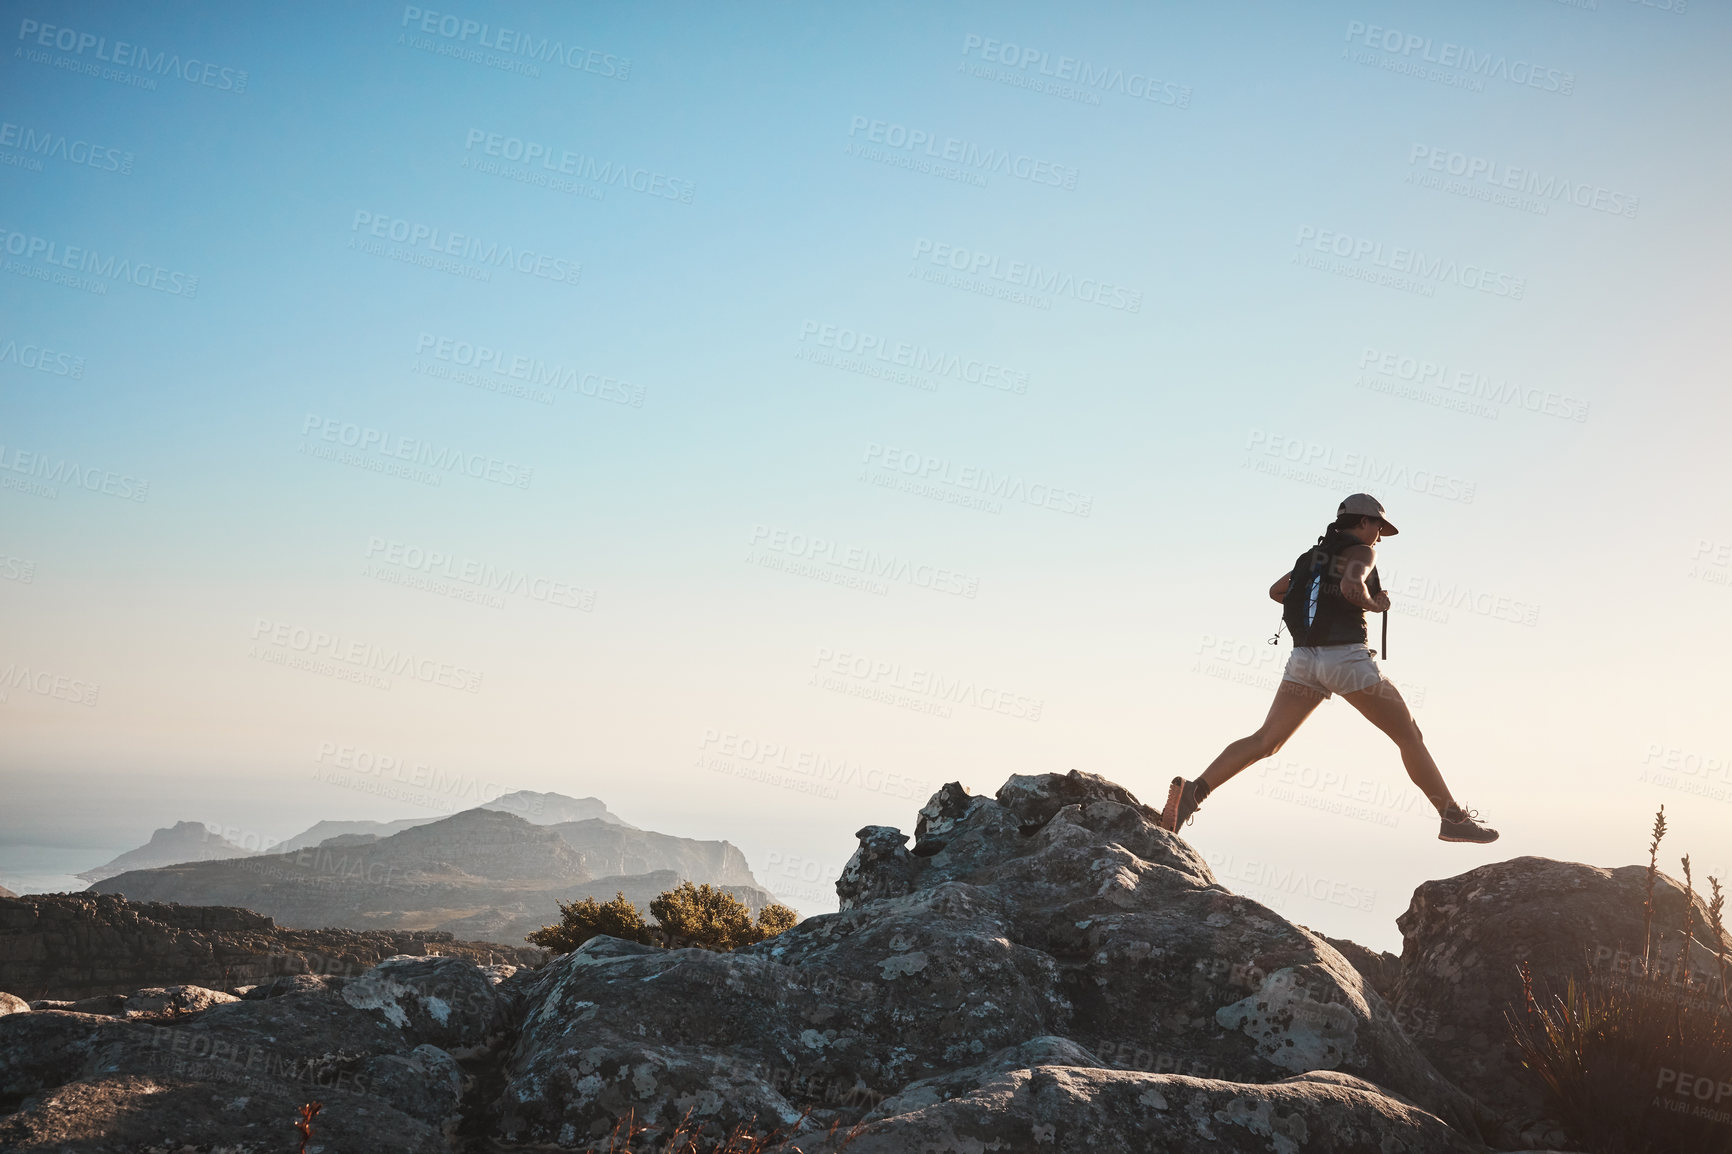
x: 837, y: 358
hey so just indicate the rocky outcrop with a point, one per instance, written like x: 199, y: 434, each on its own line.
x: 1057, y: 910
x: 383, y: 1053
x: 6, y: 893
x: 72, y: 946
x: 1044, y: 970
x: 480, y: 874
x: 183, y: 841
x: 1464, y: 939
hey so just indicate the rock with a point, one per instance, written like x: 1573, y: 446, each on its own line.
x: 66, y: 947
x: 444, y: 1002
x: 231, y: 1077
x: 1380, y: 968
x: 427, y: 1083
x: 50, y: 1004
x: 174, y: 1001
x: 1072, y: 1110
x: 1464, y: 937
x: 882, y: 867
x: 1055, y: 920
x: 13, y: 1004
x: 110, y: 1004
x: 293, y: 984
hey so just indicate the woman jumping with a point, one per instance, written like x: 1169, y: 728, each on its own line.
x: 1324, y: 602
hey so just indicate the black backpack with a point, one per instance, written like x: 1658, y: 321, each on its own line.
x: 1304, y: 588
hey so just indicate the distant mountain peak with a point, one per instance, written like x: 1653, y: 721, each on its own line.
x: 554, y: 808
x: 183, y: 841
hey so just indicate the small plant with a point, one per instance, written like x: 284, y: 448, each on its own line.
x: 1626, y: 1061
x: 304, y: 1125
x: 691, y: 915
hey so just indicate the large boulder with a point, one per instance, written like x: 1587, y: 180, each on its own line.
x: 12, y: 1004
x: 445, y: 1002
x: 1057, y: 916
x: 1464, y: 939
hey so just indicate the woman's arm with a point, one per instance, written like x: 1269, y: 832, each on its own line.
x: 1278, y: 591
x: 1360, y: 559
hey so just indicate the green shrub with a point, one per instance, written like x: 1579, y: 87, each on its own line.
x: 687, y: 915
x: 714, y: 919
x: 582, y: 920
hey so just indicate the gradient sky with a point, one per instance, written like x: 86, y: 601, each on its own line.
x: 679, y: 644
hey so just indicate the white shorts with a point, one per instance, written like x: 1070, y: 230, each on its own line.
x: 1333, y: 669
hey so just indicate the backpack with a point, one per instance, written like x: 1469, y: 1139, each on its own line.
x: 1304, y: 587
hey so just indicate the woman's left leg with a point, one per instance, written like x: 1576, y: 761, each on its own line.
x: 1384, y: 707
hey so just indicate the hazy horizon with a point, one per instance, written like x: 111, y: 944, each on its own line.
x: 756, y: 419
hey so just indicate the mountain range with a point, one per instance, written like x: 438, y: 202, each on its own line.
x: 486, y: 874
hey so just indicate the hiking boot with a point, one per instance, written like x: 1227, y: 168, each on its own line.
x: 1183, y: 798
x: 1463, y: 825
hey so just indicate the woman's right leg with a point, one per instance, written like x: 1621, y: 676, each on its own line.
x: 1292, y: 705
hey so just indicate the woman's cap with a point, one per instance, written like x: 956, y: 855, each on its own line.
x: 1365, y: 505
